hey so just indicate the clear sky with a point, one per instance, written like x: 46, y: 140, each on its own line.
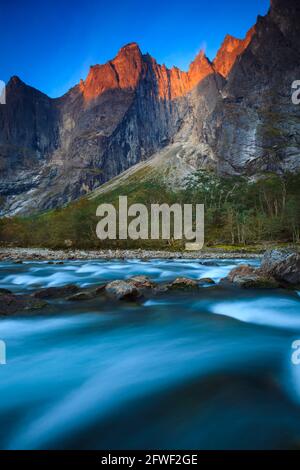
x: 50, y: 44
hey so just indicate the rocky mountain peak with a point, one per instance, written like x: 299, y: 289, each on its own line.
x: 123, y: 72
x: 199, y: 69
x: 199, y: 63
x: 174, y: 83
x: 230, y: 50
x: 132, y: 48
x: 15, y: 82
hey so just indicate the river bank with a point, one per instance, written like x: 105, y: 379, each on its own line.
x: 44, y: 254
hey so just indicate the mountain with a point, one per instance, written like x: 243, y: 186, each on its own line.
x: 55, y: 150
x: 233, y: 116
x: 255, y: 127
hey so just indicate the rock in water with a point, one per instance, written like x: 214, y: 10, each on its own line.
x: 283, y: 265
x: 255, y: 282
x: 122, y: 290
x: 13, y: 304
x: 182, y: 283
x: 142, y: 282
x: 56, y: 292
x: 81, y: 296
x: 247, y: 277
x: 241, y: 271
x: 206, y: 281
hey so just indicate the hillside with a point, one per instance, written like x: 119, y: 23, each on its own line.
x: 239, y: 211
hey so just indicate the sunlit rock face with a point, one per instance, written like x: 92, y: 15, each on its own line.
x: 234, y: 115
x: 123, y: 73
x: 230, y: 50
x: 130, y: 67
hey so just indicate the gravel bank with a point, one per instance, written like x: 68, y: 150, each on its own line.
x: 43, y: 254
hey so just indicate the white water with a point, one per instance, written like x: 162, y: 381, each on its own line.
x: 211, y: 370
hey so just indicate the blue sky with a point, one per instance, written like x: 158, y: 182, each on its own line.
x: 51, y: 44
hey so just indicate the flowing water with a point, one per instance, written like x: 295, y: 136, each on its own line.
x: 211, y: 370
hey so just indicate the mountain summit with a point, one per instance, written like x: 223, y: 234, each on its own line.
x: 230, y: 50
x: 123, y: 72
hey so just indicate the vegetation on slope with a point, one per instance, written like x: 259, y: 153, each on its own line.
x: 238, y: 212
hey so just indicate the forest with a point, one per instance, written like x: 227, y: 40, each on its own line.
x: 238, y: 212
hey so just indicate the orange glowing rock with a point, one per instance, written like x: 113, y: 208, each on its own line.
x: 230, y: 50
x: 122, y: 72
x: 129, y: 66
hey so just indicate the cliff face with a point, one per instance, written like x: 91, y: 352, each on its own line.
x: 230, y: 51
x: 234, y: 115
x: 28, y: 138
x: 255, y: 126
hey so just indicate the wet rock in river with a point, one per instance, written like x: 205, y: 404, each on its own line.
x: 122, y: 290
x: 8, y: 304
x: 182, y: 283
x: 256, y: 282
x: 100, y: 289
x: 248, y: 277
x: 283, y: 265
x: 11, y: 304
x: 142, y: 282
x: 56, y: 292
x: 81, y: 296
x: 240, y: 271
x: 206, y: 281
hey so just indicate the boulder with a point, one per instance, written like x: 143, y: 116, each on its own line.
x: 56, y: 292
x: 248, y: 277
x: 241, y: 271
x: 283, y: 265
x: 33, y: 304
x: 122, y: 290
x: 160, y: 289
x: 255, y: 281
x: 10, y: 304
x: 142, y: 282
x: 80, y: 296
x: 205, y: 281
x: 100, y: 289
x: 184, y: 284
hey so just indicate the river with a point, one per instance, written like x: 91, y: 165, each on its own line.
x: 211, y: 370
